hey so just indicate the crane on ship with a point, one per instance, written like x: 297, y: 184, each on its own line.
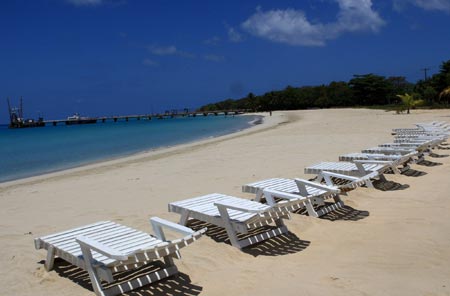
x: 16, y: 119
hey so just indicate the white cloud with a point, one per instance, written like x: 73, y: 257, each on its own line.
x: 357, y: 15
x: 214, y: 58
x: 85, y: 2
x: 149, y: 62
x: 96, y: 2
x: 293, y: 27
x: 286, y: 26
x: 163, y: 50
x: 168, y: 50
x: 212, y: 41
x: 440, y: 5
x: 233, y: 34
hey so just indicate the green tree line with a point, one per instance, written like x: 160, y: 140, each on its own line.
x: 361, y: 90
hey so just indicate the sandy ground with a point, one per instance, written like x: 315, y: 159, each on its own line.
x: 394, y: 242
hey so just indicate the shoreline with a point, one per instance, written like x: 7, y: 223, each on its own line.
x: 381, y: 242
x: 265, y: 122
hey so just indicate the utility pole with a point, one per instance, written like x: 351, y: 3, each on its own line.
x: 425, y: 72
x: 9, y: 110
x: 21, y: 108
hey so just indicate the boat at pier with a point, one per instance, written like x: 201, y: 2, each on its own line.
x: 16, y: 119
x: 77, y: 119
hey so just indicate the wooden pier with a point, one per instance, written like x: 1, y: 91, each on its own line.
x: 166, y: 115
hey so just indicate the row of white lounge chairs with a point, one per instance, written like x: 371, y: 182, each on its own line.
x: 105, y: 248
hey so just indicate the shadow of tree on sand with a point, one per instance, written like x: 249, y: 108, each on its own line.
x: 179, y: 284
x: 283, y: 244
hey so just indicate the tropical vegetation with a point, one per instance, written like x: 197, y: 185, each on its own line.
x: 362, y: 90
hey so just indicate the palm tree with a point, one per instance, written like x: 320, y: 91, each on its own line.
x: 445, y: 94
x: 409, y: 101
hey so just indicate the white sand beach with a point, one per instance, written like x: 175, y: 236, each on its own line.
x: 394, y: 242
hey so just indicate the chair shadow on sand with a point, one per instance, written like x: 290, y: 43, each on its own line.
x: 429, y: 163
x: 435, y: 155
x: 287, y: 243
x: 413, y: 173
x: 389, y: 185
x: 179, y: 284
x: 346, y: 213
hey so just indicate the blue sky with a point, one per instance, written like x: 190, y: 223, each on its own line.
x: 105, y: 57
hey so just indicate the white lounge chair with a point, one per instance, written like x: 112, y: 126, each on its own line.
x: 358, y: 168
x: 441, y: 126
x: 316, y: 193
x: 104, y: 248
x: 439, y: 133
x: 390, y: 150
x: 436, y: 128
x: 403, y: 160
x: 419, y: 138
x: 429, y: 141
x: 237, y: 215
x: 421, y: 146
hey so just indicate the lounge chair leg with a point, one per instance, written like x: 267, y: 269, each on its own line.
x: 320, y: 178
x: 361, y: 169
x: 259, y: 195
x: 279, y: 222
x: 228, y: 227
x: 311, y: 211
x: 395, y: 170
x: 337, y: 199
x: 168, y: 260
x: 405, y: 168
x: 318, y: 201
x: 159, y: 233
x: 95, y: 280
x: 184, y: 217
x: 420, y: 159
x: 327, y: 179
x: 270, y: 200
x: 368, y: 183
x: 50, y: 258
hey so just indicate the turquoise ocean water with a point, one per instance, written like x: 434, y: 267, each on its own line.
x: 35, y: 151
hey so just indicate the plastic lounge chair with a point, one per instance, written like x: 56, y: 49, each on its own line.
x: 368, y: 156
x: 442, y: 125
x: 104, y: 248
x: 418, y: 132
x: 389, y: 150
x: 442, y: 128
x: 237, y: 215
x: 419, y: 138
x: 430, y: 141
x: 369, y: 169
x: 316, y: 192
x: 413, y: 156
x: 424, y: 147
